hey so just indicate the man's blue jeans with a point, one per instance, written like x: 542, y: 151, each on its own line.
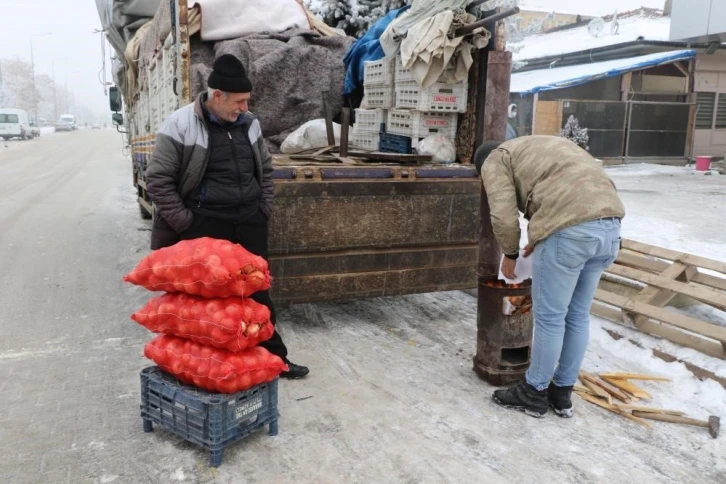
x: 566, y: 270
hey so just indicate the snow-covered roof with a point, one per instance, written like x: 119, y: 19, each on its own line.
x: 561, y: 77
x: 589, y: 8
x: 578, y: 39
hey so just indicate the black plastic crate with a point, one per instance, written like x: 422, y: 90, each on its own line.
x: 394, y: 143
x: 211, y: 420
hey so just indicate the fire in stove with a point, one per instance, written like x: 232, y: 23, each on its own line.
x: 512, y: 305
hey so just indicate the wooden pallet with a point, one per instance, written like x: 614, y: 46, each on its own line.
x: 645, y: 278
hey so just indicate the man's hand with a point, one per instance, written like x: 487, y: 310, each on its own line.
x: 528, y: 250
x: 508, y: 266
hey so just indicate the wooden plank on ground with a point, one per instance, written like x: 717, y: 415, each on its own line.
x: 635, y: 376
x: 662, y: 253
x: 612, y: 408
x: 660, y: 297
x: 679, y: 320
x: 690, y: 340
x: 594, y: 389
x: 639, y: 261
x: 638, y: 408
x: 628, y: 387
x: 607, y: 387
x: 707, y: 295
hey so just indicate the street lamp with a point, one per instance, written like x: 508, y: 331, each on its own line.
x: 32, y: 72
x: 55, y: 94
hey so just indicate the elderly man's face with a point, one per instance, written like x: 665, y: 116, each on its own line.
x: 230, y: 105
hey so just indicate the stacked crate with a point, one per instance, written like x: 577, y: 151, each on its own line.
x: 379, y: 90
x: 420, y: 112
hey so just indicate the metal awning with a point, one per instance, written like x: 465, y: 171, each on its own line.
x: 531, y: 82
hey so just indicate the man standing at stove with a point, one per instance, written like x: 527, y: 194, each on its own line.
x: 574, y: 215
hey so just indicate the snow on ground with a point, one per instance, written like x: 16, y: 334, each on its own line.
x: 46, y: 130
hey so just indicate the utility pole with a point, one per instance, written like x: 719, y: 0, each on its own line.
x: 55, y: 90
x: 32, y: 74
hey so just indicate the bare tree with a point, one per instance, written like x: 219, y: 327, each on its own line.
x: 17, y: 87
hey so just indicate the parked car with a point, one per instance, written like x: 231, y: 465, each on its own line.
x: 63, y: 126
x: 34, y: 130
x: 95, y: 126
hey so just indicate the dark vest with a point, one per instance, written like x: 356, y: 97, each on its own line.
x: 229, y: 189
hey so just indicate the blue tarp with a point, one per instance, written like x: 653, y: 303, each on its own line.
x: 531, y: 82
x: 367, y: 48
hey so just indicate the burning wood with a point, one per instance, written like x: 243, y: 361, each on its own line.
x: 512, y: 305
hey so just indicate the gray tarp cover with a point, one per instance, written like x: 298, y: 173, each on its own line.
x: 120, y: 20
x: 289, y: 72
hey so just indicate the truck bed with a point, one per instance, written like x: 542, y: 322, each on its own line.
x: 340, y: 232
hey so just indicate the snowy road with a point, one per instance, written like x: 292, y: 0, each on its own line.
x: 394, y: 398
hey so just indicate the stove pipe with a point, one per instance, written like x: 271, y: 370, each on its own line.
x: 504, y: 334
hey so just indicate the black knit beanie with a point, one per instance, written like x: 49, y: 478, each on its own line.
x: 229, y: 75
x: 483, y: 152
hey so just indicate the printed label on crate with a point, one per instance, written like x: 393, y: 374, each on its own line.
x: 445, y: 98
x: 246, y: 409
x: 436, y: 123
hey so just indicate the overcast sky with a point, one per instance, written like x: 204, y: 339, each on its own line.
x: 71, y: 23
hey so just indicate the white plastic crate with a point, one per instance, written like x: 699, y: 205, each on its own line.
x: 380, y: 97
x: 402, y: 73
x: 369, y: 120
x: 379, y: 73
x: 449, y: 98
x: 417, y: 124
x: 364, y: 139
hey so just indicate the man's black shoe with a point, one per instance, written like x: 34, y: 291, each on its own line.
x: 523, y: 397
x: 294, y: 371
x: 560, y: 399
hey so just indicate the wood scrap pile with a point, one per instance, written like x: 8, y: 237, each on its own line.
x: 617, y: 393
x: 645, y: 279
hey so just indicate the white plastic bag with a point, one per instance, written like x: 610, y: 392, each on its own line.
x: 523, y: 269
x: 440, y: 147
x: 309, y: 136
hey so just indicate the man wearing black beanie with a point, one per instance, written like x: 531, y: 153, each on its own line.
x: 211, y: 176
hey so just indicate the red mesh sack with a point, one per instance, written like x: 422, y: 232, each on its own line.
x: 204, y: 267
x: 232, y: 323
x: 212, y: 368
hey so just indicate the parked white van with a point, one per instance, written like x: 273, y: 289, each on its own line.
x: 14, y: 123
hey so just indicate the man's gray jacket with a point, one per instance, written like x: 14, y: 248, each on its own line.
x: 178, y: 164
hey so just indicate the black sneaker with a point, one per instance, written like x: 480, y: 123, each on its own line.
x: 523, y: 397
x: 560, y: 399
x: 294, y: 371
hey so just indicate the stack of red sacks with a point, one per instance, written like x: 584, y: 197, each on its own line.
x: 209, y: 329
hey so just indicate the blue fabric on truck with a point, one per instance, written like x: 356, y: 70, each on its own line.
x: 367, y: 48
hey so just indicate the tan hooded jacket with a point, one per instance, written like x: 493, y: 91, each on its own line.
x: 552, y: 181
